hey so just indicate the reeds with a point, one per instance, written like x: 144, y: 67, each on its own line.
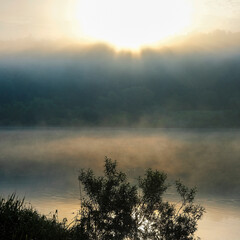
x: 21, y: 222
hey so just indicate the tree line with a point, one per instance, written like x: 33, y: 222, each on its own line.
x: 184, y: 91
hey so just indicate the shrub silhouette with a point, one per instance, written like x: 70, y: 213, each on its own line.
x: 112, y: 208
x: 18, y: 222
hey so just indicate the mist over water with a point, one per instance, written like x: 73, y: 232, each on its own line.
x: 208, y: 159
x: 68, y: 98
x: 42, y: 164
x: 191, y: 86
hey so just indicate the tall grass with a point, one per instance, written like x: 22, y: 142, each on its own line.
x: 21, y: 222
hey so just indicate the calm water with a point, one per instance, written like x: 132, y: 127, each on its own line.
x: 42, y: 165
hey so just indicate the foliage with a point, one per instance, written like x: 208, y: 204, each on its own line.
x: 18, y: 222
x: 111, y: 209
x: 114, y: 209
x: 107, y: 214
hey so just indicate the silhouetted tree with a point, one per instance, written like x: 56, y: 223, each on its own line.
x: 114, y: 209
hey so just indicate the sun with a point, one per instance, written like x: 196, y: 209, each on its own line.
x: 133, y: 24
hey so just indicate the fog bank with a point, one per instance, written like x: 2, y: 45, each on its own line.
x: 206, y: 159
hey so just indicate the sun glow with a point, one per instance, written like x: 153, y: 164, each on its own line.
x: 133, y: 23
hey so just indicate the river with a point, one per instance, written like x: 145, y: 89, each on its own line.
x: 42, y: 164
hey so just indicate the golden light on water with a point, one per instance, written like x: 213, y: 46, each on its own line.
x: 132, y: 24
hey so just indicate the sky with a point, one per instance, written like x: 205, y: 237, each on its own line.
x: 120, y: 23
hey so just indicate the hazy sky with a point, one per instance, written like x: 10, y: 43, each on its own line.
x: 54, y: 19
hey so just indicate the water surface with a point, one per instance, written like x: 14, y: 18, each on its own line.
x: 42, y: 164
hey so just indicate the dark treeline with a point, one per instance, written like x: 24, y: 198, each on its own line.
x: 99, y: 87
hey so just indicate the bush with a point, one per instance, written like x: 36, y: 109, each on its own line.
x: 111, y: 209
x: 114, y: 209
x: 18, y: 222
